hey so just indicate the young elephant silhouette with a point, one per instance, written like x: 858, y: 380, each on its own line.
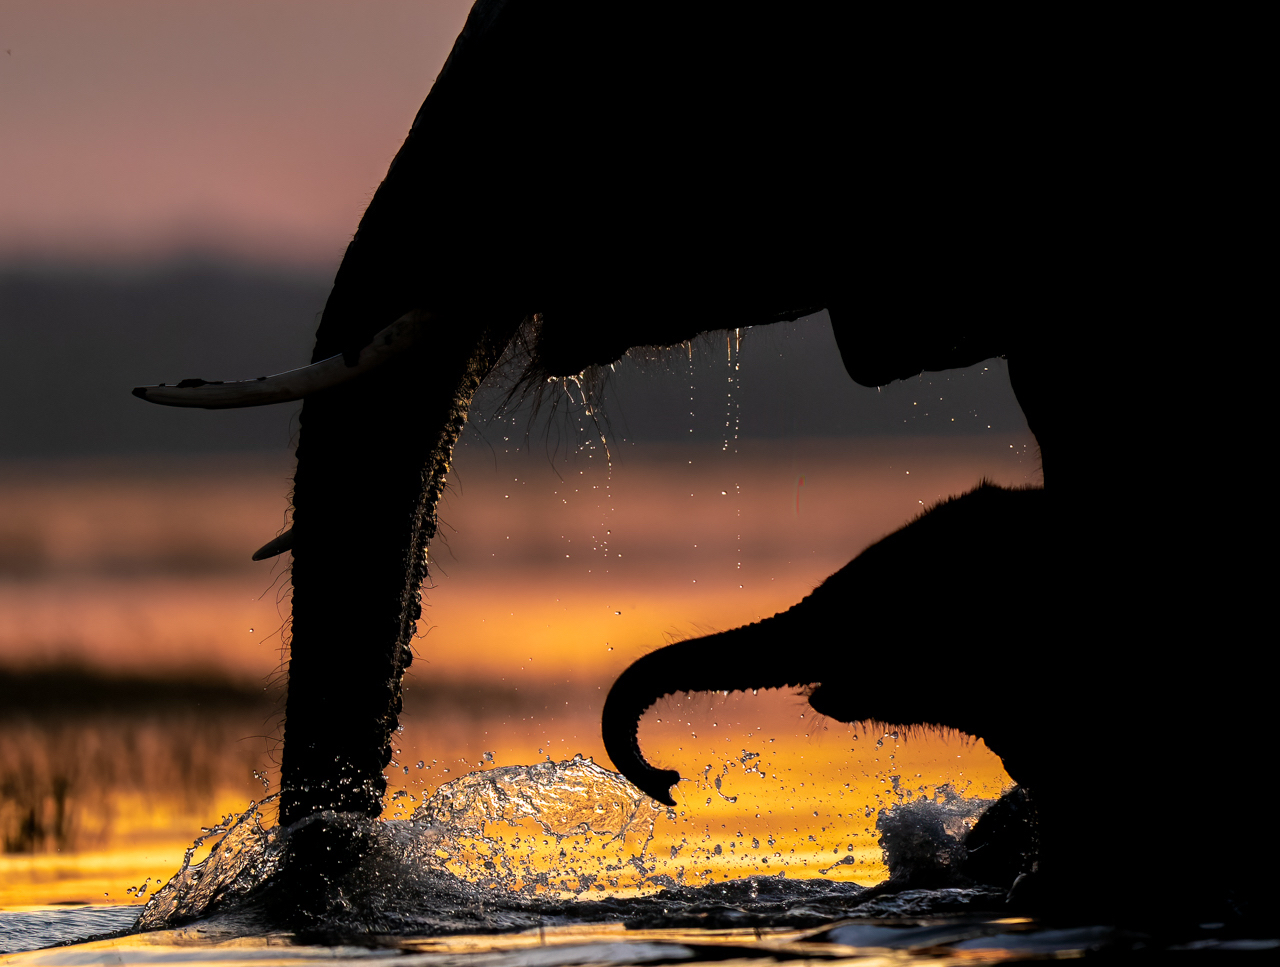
x: 919, y: 599
x: 891, y: 637
x: 584, y: 178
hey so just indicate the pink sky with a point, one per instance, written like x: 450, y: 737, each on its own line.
x: 254, y: 128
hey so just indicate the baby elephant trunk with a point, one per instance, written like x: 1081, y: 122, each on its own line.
x: 731, y: 661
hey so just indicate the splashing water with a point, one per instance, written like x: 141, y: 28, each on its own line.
x: 478, y: 839
x: 242, y: 859
x: 510, y: 847
x: 733, y: 407
x: 602, y: 824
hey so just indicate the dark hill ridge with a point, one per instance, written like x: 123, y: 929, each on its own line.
x: 62, y: 691
x: 77, y: 340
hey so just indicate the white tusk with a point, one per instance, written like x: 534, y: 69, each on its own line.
x: 295, y: 384
x: 277, y: 545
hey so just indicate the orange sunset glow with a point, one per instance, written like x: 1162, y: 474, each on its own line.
x: 552, y: 577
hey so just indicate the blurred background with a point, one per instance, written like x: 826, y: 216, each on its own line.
x: 177, y: 186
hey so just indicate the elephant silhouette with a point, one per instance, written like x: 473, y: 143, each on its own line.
x: 922, y: 591
x: 586, y: 178
x: 918, y: 600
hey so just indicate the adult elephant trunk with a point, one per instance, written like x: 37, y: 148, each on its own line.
x: 372, y: 457
x: 731, y: 661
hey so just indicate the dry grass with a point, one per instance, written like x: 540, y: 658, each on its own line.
x: 79, y: 751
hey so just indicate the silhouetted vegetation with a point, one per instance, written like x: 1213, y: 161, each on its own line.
x: 78, y: 750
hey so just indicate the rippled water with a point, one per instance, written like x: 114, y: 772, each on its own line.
x: 28, y: 930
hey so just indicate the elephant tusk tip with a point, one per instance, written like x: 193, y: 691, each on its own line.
x: 275, y: 546
x: 297, y: 384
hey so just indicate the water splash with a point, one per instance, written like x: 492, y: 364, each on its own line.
x: 587, y: 404
x: 923, y: 839
x: 242, y: 858
x: 493, y: 829
x: 476, y: 838
x: 508, y: 847
x: 733, y: 407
